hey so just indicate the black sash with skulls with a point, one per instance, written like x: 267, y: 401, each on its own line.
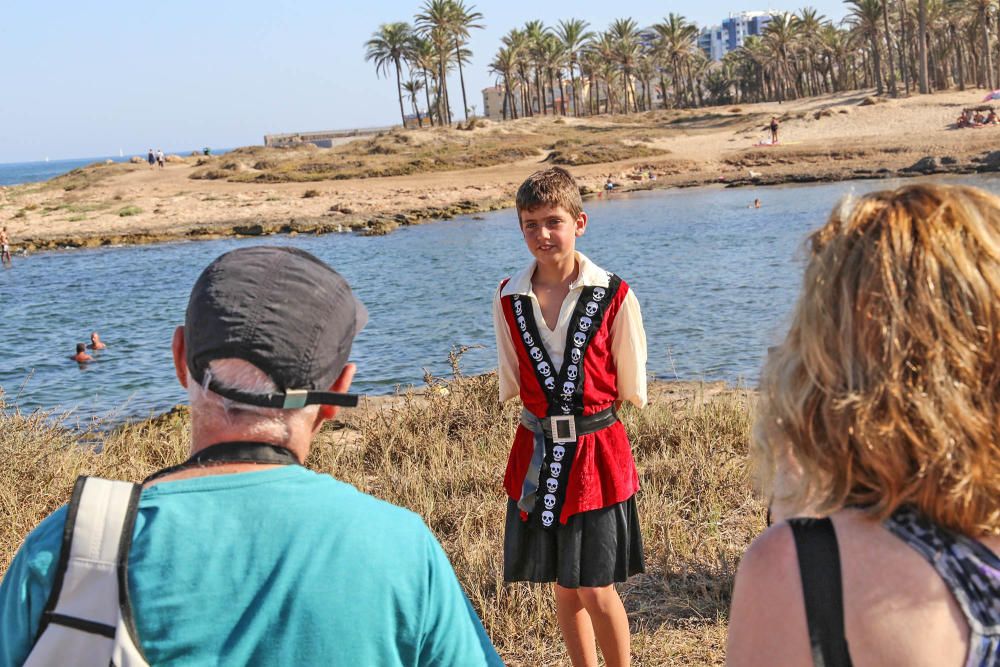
x: 563, y: 390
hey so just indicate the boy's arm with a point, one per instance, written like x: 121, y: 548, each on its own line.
x: 507, y: 368
x: 628, y: 348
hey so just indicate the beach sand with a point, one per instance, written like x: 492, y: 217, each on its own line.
x: 834, y: 137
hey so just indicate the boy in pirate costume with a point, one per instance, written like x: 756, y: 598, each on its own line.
x: 571, y: 344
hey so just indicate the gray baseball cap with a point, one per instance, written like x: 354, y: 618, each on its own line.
x: 283, y: 310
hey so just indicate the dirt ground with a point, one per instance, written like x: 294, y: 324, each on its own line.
x: 833, y: 137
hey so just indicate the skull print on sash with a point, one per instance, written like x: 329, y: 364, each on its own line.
x: 563, y: 388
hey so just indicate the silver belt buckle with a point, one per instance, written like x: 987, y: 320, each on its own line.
x: 563, y: 428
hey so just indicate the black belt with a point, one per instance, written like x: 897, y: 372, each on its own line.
x: 567, y: 428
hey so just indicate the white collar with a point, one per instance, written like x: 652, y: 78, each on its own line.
x: 590, y: 275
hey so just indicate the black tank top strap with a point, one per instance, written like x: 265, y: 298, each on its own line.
x: 822, y: 590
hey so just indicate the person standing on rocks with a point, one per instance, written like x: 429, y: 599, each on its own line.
x: 4, y: 246
x: 774, y: 130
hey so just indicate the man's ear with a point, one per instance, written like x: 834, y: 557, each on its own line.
x: 581, y: 223
x: 341, y: 386
x: 180, y: 356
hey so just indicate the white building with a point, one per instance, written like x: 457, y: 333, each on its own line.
x: 719, y: 40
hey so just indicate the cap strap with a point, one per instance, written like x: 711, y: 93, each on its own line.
x: 292, y: 398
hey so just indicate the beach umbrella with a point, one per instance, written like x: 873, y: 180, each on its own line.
x: 995, y: 95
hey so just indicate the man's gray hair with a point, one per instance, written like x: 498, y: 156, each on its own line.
x: 270, y: 424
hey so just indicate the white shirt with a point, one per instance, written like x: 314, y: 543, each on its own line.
x: 628, y: 339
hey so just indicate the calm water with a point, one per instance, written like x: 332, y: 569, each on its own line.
x: 716, y: 282
x: 15, y: 173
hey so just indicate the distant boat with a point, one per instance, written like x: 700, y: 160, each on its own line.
x: 121, y: 153
x: 46, y: 158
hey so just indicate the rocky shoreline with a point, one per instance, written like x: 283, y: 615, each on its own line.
x: 343, y: 220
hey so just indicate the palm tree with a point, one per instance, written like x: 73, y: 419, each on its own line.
x: 574, y: 35
x: 420, y: 56
x: 412, y: 88
x: 865, y: 15
x: 534, y: 34
x: 504, y: 65
x: 463, y: 19
x: 388, y: 47
x: 888, y: 48
x: 434, y: 24
x: 675, y: 40
x: 625, y: 33
x: 781, y: 36
x: 553, y: 56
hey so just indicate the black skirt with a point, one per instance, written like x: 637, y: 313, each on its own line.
x: 594, y: 549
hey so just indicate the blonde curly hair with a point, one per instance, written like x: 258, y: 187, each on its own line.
x: 885, y: 390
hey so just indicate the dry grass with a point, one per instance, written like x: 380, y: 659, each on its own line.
x: 442, y: 453
x: 400, y: 152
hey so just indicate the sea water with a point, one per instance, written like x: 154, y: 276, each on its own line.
x: 716, y: 281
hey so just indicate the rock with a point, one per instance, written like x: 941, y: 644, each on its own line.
x: 870, y: 100
x: 949, y: 160
x: 109, y: 161
x: 991, y: 159
x: 135, y: 159
x: 174, y: 158
x: 925, y: 165
x: 249, y: 230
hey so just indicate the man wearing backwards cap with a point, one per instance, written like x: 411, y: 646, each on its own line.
x: 241, y: 556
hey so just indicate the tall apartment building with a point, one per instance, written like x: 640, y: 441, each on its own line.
x: 719, y: 40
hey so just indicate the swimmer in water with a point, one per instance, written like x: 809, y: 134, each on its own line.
x: 81, y: 356
x: 95, y: 342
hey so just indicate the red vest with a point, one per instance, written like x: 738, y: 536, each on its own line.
x: 603, y: 471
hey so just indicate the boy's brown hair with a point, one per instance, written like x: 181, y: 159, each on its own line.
x: 550, y: 187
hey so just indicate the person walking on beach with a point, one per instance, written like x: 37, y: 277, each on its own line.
x: 159, y: 157
x: 151, y: 158
x: 4, y: 246
x: 241, y: 555
x: 774, y: 130
x: 878, y: 414
x: 571, y: 344
x: 95, y: 342
x: 81, y: 356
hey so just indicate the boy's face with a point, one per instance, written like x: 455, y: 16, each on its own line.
x: 550, y: 232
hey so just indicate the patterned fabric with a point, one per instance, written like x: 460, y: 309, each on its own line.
x: 971, y: 572
x: 603, y: 471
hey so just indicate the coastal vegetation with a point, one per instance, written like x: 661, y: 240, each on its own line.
x: 442, y: 453
x: 892, y: 46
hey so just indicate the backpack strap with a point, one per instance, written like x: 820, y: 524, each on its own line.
x: 819, y: 567
x: 90, y: 590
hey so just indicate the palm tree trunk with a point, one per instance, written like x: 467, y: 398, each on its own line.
x: 902, y: 47
x: 888, y: 48
x: 562, y: 96
x: 663, y: 91
x: 427, y: 96
x: 922, y: 45
x: 877, y: 65
x: 988, y: 57
x: 552, y: 89
x: 461, y: 77
x: 572, y: 82
x: 399, y: 92
x: 538, y: 85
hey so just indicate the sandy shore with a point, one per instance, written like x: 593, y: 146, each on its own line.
x: 822, y: 139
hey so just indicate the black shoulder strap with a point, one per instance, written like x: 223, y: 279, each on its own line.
x: 63, y: 564
x: 819, y: 567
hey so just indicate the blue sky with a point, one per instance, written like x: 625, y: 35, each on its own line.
x: 85, y: 79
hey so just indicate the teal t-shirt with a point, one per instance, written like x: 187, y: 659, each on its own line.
x: 278, y: 567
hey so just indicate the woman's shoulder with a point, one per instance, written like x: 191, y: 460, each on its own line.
x: 767, y: 618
